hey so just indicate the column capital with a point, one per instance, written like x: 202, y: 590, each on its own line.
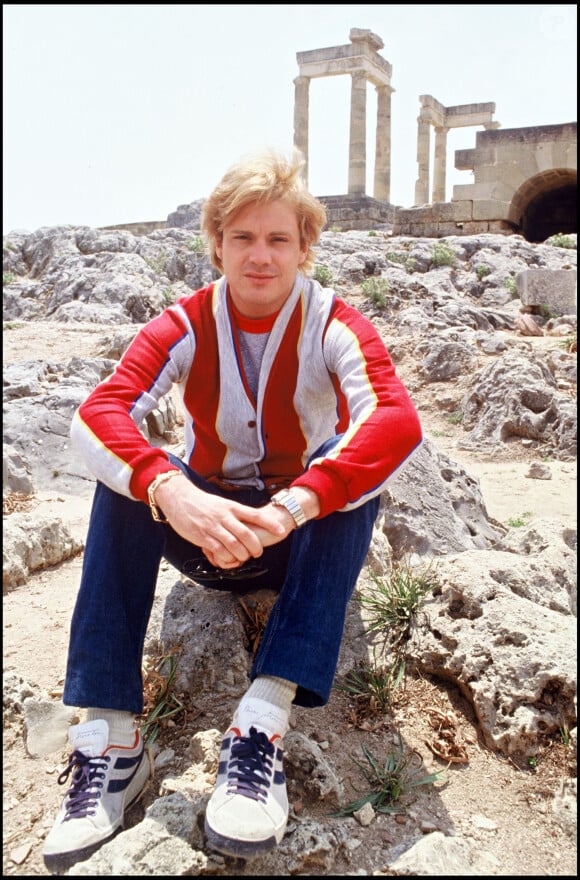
x: 359, y: 74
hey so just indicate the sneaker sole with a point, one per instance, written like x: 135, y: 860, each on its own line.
x: 61, y: 862
x: 230, y: 846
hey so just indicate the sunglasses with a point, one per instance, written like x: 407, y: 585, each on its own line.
x: 204, y: 571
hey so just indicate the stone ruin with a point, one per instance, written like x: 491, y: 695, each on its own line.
x: 520, y: 175
x: 524, y: 179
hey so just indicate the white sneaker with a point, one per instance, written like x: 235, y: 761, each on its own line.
x: 248, y: 810
x: 106, y: 780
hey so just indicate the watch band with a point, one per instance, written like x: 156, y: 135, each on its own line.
x: 285, y: 498
x: 156, y: 512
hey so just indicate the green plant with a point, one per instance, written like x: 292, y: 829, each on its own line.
x: 561, y: 240
x: 376, y: 289
x: 197, y: 245
x: 394, y: 257
x: 511, y: 286
x: 570, y: 344
x: 482, y: 271
x: 442, y: 255
x: 565, y: 734
x: 517, y: 521
x: 373, y: 687
x: 393, y: 605
x: 372, y: 233
x: 168, y: 295
x: 157, y: 263
x: 161, y: 703
x: 532, y: 762
x: 389, y: 781
x: 323, y: 275
x: 546, y: 311
x: 411, y: 265
x: 455, y: 418
x: 7, y: 277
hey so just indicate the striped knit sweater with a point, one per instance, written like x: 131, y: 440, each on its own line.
x: 325, y: 371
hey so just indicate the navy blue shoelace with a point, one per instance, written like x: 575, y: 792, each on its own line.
x: 82, y: 796
x: 250, y: 766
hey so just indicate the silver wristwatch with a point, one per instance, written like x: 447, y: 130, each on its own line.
x: 285, y: 498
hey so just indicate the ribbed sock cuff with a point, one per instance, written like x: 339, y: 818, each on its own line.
x: 273, y: 690
x: 121, y: 724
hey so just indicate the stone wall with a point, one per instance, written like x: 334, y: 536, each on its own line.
x: 356, y: 212
x: 142, y: 228
x: 447, y: 218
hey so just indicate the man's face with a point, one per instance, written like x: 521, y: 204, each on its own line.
x: 261, y: 254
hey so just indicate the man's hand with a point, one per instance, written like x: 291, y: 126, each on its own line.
x: 308, y: 501
x: 227, y: 532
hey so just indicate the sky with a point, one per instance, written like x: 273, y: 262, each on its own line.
x: 121, y: 113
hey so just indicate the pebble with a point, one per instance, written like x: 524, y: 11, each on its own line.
x: 21, y: 853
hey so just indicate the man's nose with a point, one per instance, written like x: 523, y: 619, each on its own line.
x: 260, y: 252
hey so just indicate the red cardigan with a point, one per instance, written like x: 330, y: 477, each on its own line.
x: 325, y: 371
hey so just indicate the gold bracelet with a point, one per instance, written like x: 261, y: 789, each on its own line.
x: 156, y: 513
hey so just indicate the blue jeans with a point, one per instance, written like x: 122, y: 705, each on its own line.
x: 314, y: 570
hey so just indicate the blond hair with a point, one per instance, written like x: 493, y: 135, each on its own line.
x: 261, y: 178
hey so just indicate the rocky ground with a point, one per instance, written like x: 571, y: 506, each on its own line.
x: 505, y: 806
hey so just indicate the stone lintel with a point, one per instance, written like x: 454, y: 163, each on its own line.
x: 485, y: 110
x: 345, y: 59
x: 432, y: 112
x: 457, y: 116
x: 461, y: 120
x: 428, y: 102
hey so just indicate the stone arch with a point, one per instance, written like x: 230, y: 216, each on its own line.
x: 545, y: 204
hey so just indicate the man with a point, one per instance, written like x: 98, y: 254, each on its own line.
x: 294, y: 422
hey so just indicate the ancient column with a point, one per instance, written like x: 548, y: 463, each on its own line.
x: 382, y: 183
x: 440, y: 163
x: 358, y: 134
x: 301, y: 110
x: 361, y: 61
x: 423, y: 150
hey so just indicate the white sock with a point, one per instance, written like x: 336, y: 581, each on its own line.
x: 273, y: 690
x: 121, y: 725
